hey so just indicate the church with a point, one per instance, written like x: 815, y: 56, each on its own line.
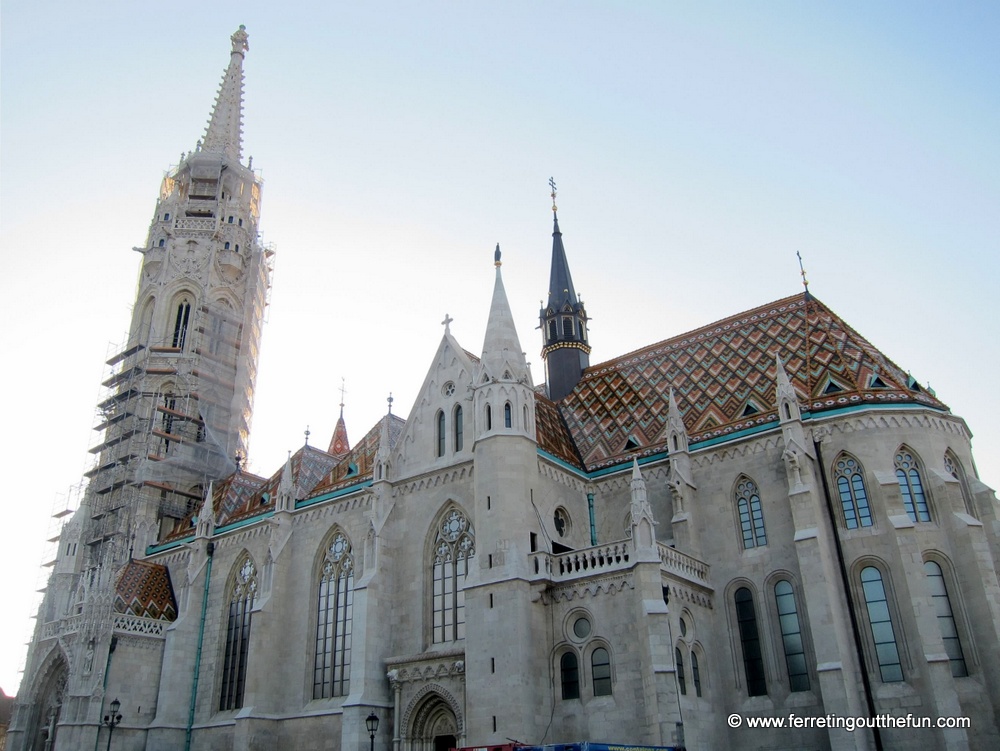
x: 761, y: 519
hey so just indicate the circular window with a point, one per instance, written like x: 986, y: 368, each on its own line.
x: 448, y: 389
x: 581, y: 627
x: 560, y: 519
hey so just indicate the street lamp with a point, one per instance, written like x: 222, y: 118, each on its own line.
x: 371, y: 722
x: 112, y: 720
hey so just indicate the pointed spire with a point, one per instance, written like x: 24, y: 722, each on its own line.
x: 286, y: 487
x: 339, y: 445
x: 784, y: 392
x: 563, y: 321
x: 206, y: 516
x: 643, y: 537
x: 501, y: 348
x: 225, y: 128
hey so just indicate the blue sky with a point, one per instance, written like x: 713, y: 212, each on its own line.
x: 697, y: 147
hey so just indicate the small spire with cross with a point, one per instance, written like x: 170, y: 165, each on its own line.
x: 342, y: 392
x: 447, y: 323
x: 307, y: 434
x: 802, y: 271
x: 390, y: 402
x: 552, y: 185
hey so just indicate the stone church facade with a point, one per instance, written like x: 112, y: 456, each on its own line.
x: 763, y: 517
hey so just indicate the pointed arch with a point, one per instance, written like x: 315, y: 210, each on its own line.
x: 945, y: 612
x: 453, y: 545
x: 459, y: 421
x: 850, y: 480
x: 911, y: 484
x: 749, y: 634
x: 751, y: 515
x: 432, y: 717
x: 243, y: 586
x: 181, y: 318
x: 334, y: 617
x: 46, y: 700
x: 954, y: 467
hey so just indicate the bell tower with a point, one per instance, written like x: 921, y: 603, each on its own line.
x: 563, y: 321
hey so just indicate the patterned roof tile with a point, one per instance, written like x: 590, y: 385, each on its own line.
x: 144, y: 589
x: 718, y: 370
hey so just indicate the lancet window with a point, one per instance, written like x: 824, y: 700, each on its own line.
x: 911, y: 486
x: 234, y: 668
x: 335, y: 611
x: 750, y: 513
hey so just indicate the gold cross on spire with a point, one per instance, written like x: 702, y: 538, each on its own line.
x: 802, y: 271
x: 552, y: 184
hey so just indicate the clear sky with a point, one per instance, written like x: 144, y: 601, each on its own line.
x: 697, y: 147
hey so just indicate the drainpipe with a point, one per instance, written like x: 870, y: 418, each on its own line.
x: 197, y: 655
x: 593, y: 525
x: 855, y: 629
x: 107, y: 668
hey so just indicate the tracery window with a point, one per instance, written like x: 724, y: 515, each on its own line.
x: 750, y: 513
x: 234, y: 668
x: 453, y: 547
x: 600, y: 671
x: 791, y: 636
x: 946, y: 619
x: 880, y: 621
x: 332, y: 668
x: 569, y: 675
x: 911, y: 486
x: 753, y: 658
x: 954, y: 468
x: 853, y: 494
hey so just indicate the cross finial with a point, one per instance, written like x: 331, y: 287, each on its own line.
x: 307, y: 433
x: 802, y: 271
x: 447, y: 323
x: 390, y: 402
x: 342, y: 392
x: 552, y: 184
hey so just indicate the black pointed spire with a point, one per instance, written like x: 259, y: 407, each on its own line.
x: 563, y: 321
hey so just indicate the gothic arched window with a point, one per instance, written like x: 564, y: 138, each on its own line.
x: 569, y: 675
x: 679, y: 660
x: 695, y: 673
x: 853, y: 495
x: 332, y: 669
x: 454, y: 545
x: 234, y: 667
x: 791, y: 636
x: 880, y: 621
x: 507, y: 418
x: 750, y: 513
x: 954, y: 468
x: 181, y: 324
x: 911, y: 486
x: 459, y: 429
x: 946, y: 619
x: 753, y: 657
x: 441, y: 433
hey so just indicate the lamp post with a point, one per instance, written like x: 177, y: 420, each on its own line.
x: 112, y: 720
x: 371, y: 722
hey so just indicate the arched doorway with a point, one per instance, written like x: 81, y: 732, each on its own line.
x: 434, y: 722
x: 47, y: 704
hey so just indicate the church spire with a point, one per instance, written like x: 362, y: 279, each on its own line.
x: 563, y: 321
x: 503, y: 358
x: 225, y: 128
x: 339, y: 445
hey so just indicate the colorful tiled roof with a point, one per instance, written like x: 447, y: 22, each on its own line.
x: 144, y: 589
x: 723, y: 376
x: 358, y: 464
x: 309, y: 466
x: 551, y: 432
